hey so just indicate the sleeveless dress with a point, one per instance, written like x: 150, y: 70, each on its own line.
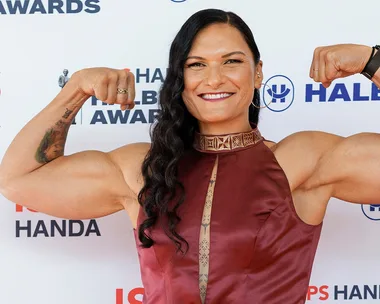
x: 246, y: 242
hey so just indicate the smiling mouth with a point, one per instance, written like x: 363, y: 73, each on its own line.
x: 215, y: 96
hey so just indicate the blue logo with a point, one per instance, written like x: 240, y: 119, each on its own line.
x: 278, y: 93
x: 30, y: 7
x: 178, y: 1
x: 372, y: 212
x: 342, y: 92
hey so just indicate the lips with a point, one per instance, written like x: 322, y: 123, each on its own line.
x: 215, y: 96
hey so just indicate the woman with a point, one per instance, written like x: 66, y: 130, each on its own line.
x: 221, y: 215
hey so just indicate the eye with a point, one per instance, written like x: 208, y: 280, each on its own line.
x: 233, y: 61
x: 195, y: 65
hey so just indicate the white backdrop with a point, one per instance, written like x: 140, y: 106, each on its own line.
x: 96, y: 262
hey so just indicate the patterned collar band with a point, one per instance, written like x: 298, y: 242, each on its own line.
x: 227, y: 142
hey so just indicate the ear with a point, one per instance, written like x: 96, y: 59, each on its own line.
x: 259, y: 76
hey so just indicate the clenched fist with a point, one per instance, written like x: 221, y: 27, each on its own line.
x: 111, y: 86
x: 338, y: 61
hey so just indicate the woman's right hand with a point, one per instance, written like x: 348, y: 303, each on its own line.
x: 111, y: 86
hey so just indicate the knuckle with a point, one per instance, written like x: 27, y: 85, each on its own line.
x: 101, y: 95
x: 131, y: 77
x: 111, y: 99
x: 122, y: 77
x: 122, y: 100
x: 103, y: 79
x: 112, y: 76
x: 330, y: 75
x: 330, y: 56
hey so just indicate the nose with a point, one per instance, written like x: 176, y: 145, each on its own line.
x: 215, y: 77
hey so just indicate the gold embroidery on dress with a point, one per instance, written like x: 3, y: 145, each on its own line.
x: 226, y: 142
x: 204, y: 236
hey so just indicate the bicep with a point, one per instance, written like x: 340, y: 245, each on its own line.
x: 80, y: 186
x: 352, y: 169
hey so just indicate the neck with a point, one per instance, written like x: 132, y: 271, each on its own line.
x: 225, y: 127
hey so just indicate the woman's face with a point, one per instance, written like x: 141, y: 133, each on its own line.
x: 220, y: 75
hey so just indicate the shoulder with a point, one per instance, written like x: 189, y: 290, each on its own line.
x: 304, y: 140
x: 130, y: 153
x: 129, y: 159
x: 139, y: 147
x: 300, y: 153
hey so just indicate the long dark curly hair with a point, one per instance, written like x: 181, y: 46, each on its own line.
x: 173, y: 133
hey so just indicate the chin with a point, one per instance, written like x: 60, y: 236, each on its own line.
x: 209, y: 119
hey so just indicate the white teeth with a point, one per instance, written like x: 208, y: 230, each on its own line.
x: 216, y: 96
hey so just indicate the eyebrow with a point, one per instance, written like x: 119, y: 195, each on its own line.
x: 224, y: 56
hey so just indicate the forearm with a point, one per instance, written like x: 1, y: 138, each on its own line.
x: 43, y: 139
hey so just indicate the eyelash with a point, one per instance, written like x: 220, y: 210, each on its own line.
x: 235, y: 60
x: 199, y: 64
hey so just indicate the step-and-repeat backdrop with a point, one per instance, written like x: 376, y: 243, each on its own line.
x: 47, y: 260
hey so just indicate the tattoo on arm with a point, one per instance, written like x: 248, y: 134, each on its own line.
x: 53, y: 143
x: 67, y: 114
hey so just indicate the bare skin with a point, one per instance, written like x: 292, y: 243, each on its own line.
x: 35, y: 172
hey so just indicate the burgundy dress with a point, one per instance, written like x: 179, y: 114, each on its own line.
x: 247, y: 244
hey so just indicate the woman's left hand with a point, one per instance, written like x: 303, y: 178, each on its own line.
x: 338, y: 61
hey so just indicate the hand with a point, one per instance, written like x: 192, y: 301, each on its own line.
x: 103, y: 83
x: 338, y: 61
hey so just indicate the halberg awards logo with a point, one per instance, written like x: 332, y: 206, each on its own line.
x: 338, y: 92
x: 278, y: 93
x: 31, y: 7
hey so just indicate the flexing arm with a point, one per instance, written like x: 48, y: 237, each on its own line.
x: 331, y: 166
x: 347, y: 168
x: 34, y: 171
